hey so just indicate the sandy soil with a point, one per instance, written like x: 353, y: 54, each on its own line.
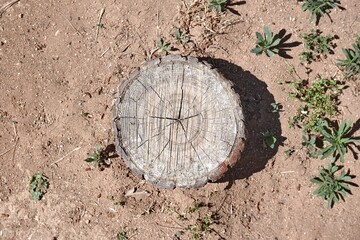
x: 58, y: 82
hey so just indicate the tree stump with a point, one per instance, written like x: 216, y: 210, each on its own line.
x: 178, y: 123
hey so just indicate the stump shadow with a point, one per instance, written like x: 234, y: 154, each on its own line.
x: 255, y: 99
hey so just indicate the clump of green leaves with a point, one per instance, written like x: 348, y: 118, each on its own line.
x: 181, y: 36
x: 316, y: 45
x: 99, y: 158
x: 336, y: 140
x: 320, y: 101
x: 198, y: 227
x: 122, y: 236
x: 164, y: 46
x: 269, y: 140
x: 267, y: 43
x: 275, y: 107
x: 38, y: 186
x: 331, y: 187
x: 218, y: 5
x: 201, y: 227
x: 309, y: 141
x: 351, y: 63
x: 289, y: 151
x: 318, y: 8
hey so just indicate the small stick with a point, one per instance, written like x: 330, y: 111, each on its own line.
x: 65, y: 156
x: 6, y: 151
x: 74, y: 27
x: 99, y: 24
x: 287, y: 172
x: 7, y: 5
x: 105, y: 52
x: 16, y: 140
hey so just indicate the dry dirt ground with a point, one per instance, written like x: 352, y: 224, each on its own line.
x: 58, y: 82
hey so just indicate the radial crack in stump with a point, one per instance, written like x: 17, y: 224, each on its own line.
x: 178, y: 123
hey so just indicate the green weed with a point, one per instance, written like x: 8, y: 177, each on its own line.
x: 38, y: 186
x: 351, y: 63
x: 164, y: 46
x: 218, y: 5
x: 336, y: 140
x: 289, y: 152
x: 331, y: 187
x: 181, y: 36
x: 316, y: 46
x: 269, y: 140
x: 318, y: 8
x: 320, y: 101
x: 267, y: 43
x: 309, y: 141
x: 201, y: 227
x: 122, y: 236
x: 275, y: 107
x: 99, y: 158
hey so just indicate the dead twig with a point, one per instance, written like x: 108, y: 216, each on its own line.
x: 2, y: 154
x: 99, y: 24
x: 76, y: 30
x: 105, y: 52
x: 62, y: 158
x: 7, y: 5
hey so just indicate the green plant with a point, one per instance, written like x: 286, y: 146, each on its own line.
x: 269, y: 140
x: 275, y: 107
x: 351, y: 63
x: 122, y: 236
x: 181, y: 36
x: 201, y: 227
x: 267, y: 43
x: 164, y: 46
x: 316, y: 45
x: 318, y: 8
x: 336, y: 139
x: 308, y: 57
x: 331, y: 187
x: 218, y: 5
x: 99, y: 158
x: 39, y: 184
x: 309, y: 141
x: 320, y: 101
x: 289, y: 152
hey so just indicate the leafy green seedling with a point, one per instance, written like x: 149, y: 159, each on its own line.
x: 38, y: 186
x: 336, y: 139
x: 309, y: 141
x: 275, y: 107
x: 308, y: 57
x: 317, y: 45
x: 201, y: 227
x: 180, y: 36
x: 122, y: 236
x: 267, y: 43
x: 289, y: 152
x: 164, y: 46
x: 351, y: 63
x: 218, y: 5
x: 318, y: 8
x: 99, y: 158
x: 269, y: 140
x: 331, y: 187
x: 320, y: 101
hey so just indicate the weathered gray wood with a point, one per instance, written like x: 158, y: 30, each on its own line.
x: 178, y: 123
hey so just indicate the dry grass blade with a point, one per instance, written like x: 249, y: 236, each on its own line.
x: 62, y: 158
x: 7, y: 5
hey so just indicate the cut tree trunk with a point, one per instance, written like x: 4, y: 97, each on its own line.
x: 178, y: 123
